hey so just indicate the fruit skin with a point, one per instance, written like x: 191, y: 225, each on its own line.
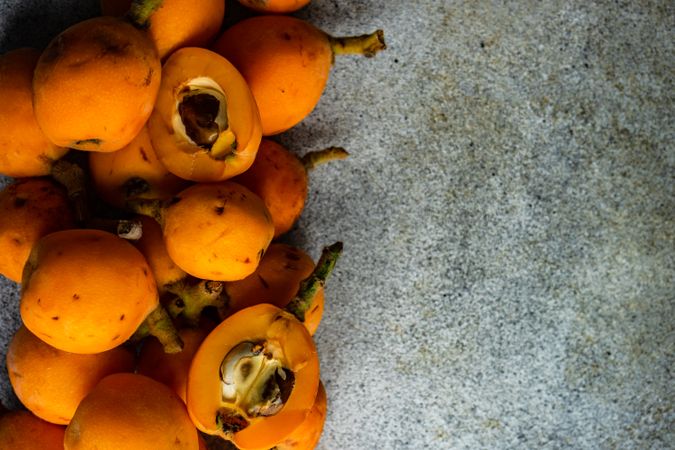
x: 177, y: 23
x: 276, y: 281
x: 285, y: 61
x: 307, y: 435
x: 50, y: 382
x: 257, y: 323
x: 274, y: 6
x: 170, y: 369
x: 95, y: 85
x: 24, y: 149
x: 151, y: 244
x: 31, y: 208
x: 182, y: 157
x: 21, y: 430
x: 217, y: 231
x: 86, y: 291
x: 113, y: 173
x: 280, y: 179
x: 131, y: 412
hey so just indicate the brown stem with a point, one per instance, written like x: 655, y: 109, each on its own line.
x: 72, y: 177
x: 131, y: 230
x: 367, y: 44
x: 312, y: 159
x: 140, y: 11
x: 159, y: 324
x: 194, y: 297
x: 147, y: 207
x: 315, y: 281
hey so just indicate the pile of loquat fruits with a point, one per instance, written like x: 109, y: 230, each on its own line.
x: 158, y: 310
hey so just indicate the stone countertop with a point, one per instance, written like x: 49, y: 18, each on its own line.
x: 508, y: 219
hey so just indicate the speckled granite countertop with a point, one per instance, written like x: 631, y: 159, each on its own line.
x: 508, y: 218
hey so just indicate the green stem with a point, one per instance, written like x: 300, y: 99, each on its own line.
x: 159, y: 324
x: 367, y: 44
x: 194, y: 297
x: 315, y: 281
x: 72, y: 177
x: 312, y: 159
x: 140, y: 11
x: 147, y: 207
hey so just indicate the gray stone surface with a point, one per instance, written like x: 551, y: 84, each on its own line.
x: 508, y: 219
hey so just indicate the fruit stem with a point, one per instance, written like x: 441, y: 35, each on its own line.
x: 312, y: 159
x: 131, y: 230
x: 159, y: 324
x: 315, y: 281
x: 72, y: 177
x: 367, y: 44
x: 148, y: 207
x: 194, y: 297
x: 140, y: 11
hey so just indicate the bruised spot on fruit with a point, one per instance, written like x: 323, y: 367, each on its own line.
x: 55, y: 318
x: 76, y: 297
x: 143, y: 154
x: 20, y: 202
x: 93, y: 141
x: 247, y: 261
x: 292, y: 256
x: 285, y: 36
x: 122, y: 317
x: 110, y: 43
x: 145, y: 271
x: 148, y: 77
x: 17, y: 242
x: 219, y: 210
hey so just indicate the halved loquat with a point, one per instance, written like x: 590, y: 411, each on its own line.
x: 254, y: 378
x: 205, y: 125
